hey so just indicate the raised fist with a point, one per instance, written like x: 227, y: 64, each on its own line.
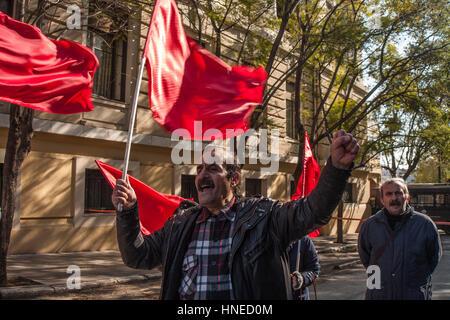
x: 344, y: 149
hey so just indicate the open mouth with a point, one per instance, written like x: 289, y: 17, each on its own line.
x: 205, y: 185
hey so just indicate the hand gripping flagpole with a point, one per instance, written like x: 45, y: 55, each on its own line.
x: 131, y: 124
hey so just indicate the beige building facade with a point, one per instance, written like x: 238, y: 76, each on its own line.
x: 62, y: 201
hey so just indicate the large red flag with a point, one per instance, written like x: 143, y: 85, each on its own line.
x: 43, y: 74
x: 309, y: 177
x: 154, y: 207
x: 189, y: 84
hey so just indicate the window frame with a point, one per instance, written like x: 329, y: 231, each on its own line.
x: 116, y: 74
x: 9, y: 6
x: 289, y: 111
x: 80, y: 218
x: 104, y: 207
x: 247, y: 183
x: 184, y: 182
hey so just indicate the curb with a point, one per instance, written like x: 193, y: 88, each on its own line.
x: 22, y: 292
x: 328, y: 269
x: 347, y: 264
x: 32, y: 291
x: 346, y: 247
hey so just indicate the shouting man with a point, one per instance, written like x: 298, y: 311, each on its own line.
x: 229, y: 247
x: 404, y: 244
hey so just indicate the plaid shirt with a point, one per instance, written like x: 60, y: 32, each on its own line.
x: 206, y: 272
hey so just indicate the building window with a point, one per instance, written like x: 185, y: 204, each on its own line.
x: 293, y: 189
x: 6, y: 6
x: 253, y: 187
x: 97, y: 193
x: 107, y: 39
x: 188, y: 189
x: 425, y: 200
x: 1, y: 184
x: 441, y: 200
x: 290, y: 112
x: 111, y: 72
x: 290, y: 126
x: 348, y: 196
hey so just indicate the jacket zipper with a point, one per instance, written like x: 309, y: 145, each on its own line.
x: 238, y: 245
x: 165, y: 259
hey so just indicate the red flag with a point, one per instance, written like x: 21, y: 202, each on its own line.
x: 188, y: 84
x: 309, y: 177
x: 43, y: 74
x: 154, y: 207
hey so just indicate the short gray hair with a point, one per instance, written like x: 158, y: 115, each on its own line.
x: 396, y: 180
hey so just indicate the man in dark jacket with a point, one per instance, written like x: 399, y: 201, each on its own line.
x: 402, y: 248
x: 228, y: 247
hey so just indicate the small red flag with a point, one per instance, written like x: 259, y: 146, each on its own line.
x: 43, y: 74
x: 309, y: 177
x: 154, y: 207
x: 188, y: 84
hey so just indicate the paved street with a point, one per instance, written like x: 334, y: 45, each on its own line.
x: 350, y: 283
x: 441, y: 277
x: 346, y: 284
x: 139, y: 290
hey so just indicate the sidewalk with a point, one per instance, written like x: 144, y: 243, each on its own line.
x: 49, y: 273
x: 336, y: 256
x: 327, y: 244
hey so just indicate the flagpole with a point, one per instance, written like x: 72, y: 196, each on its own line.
x: 134, y: 107
x: 304, y: 174
x: 131, y: 124
x: 297, y: 264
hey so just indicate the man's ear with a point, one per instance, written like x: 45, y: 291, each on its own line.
x: 381, y: 200
x: 235, y: 179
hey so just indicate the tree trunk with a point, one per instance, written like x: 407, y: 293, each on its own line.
x: 255, y: 117
x: 301, y: 147
x: 17, y: 148
x: 439, y: 169
x: 218, y: 49
x: 298, y: 125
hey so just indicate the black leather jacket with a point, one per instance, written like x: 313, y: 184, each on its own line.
x: 259, y: 264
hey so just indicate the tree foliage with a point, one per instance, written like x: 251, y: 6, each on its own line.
x: 396, y: 51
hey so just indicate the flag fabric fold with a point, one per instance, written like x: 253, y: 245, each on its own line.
x: 43, y: 74
x: 154, y: 207
x: 309, y: 177
x: 189, y: 84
